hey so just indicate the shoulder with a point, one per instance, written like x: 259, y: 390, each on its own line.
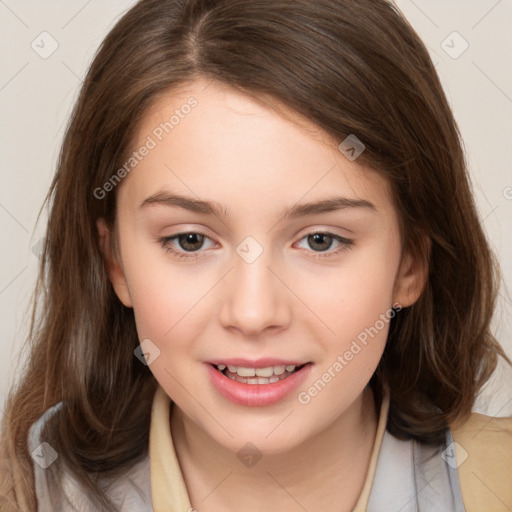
x: 488, y: 438
x: 57, y: 489
x: 483, y: 456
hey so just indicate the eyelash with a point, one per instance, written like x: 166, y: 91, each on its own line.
x: 164, y: 241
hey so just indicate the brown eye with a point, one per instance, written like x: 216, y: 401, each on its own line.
x: 189, y: 245
x: 322, y: 244
x: 190, y: 241
x: 320, y: 241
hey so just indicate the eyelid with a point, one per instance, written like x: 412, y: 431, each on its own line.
x: 346, y: 244
x: 166, y: 240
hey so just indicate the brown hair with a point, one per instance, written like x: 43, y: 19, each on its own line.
x: 351, y: 67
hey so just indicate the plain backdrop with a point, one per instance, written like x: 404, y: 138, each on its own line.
x: 46, y: 48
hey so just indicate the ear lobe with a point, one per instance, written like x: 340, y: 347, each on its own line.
x: 412, y: 275
x: 112, y: 264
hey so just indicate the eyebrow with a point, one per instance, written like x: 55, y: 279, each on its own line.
x: 214, y: 208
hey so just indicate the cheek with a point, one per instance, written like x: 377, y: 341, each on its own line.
x: 170, y: 313
x: 368, y: 300
x: 352, y: 297
x: 168, y: 308
x: 355, y: 303
x: 165, y: 296
x: 358, y: 310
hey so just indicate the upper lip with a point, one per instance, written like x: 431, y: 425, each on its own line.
x: 263, y: 362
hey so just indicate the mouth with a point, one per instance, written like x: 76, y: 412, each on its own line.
x: 257, y: 383
x: 264, y: 375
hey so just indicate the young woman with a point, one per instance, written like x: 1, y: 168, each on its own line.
x: 264, y: 285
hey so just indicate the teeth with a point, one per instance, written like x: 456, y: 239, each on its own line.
x: 259, y: 380
x: 264, y: 372
x: 267, y: 375
x: 246, y: 372
x: 279, y: 370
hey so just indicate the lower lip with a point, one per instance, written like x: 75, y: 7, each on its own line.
x: 256, y: 395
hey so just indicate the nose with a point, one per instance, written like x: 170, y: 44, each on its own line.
x: 253, y: 298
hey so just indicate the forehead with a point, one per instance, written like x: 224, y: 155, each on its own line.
x: 210, y: 141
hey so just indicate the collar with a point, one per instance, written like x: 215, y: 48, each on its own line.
x: 168, y: 487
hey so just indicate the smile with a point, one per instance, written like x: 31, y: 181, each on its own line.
x: 266, y: 375
x: 256, y: 384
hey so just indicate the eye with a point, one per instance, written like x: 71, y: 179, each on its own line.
x: 321, y: 242
x: 188, y: 243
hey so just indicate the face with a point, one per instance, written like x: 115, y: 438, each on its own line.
x: 261, y: 265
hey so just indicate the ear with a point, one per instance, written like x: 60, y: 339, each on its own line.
x: 412, y: 274
x: 113, y: 265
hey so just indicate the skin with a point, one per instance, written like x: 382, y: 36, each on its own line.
x: 257, y: 162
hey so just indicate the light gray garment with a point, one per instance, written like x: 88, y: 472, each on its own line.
x: 410, y: 477
x: 131, y: 493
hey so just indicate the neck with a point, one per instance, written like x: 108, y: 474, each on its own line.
x: 326, y: 472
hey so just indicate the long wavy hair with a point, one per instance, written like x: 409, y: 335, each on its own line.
x: 351, y: 67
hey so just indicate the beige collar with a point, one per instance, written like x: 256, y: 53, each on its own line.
x: 168, y: 489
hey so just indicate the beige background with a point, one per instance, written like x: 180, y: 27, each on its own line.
x: 36, y: 95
